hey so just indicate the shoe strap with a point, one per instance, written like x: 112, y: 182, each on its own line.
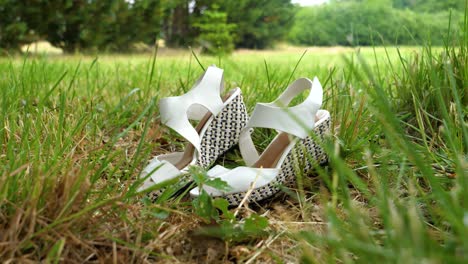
x: 203, y: 97
x: 297, y: 120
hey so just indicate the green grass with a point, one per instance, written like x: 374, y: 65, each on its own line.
x: 76, y: 131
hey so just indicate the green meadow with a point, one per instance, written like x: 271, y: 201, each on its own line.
x: 75, y: 131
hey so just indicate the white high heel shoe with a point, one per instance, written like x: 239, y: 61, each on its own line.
x: 275, y: 166
x: 221, y: 120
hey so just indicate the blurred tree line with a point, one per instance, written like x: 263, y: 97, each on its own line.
x: 376, y: 22
x: 220, y: 26
x: 116, y: 25
x: 79, y: 24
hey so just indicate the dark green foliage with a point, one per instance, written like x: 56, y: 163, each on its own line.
x: 369, y: 23
x: 104, y: 25
x: 13, y: 28
x: 177, y: 23
x: 260, y: 23
x: 215, y: 33
x: 67, y: 24
x: 147, y: 17
x: 110, y: 25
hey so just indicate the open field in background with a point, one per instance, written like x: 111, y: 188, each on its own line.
x: 76, y: 130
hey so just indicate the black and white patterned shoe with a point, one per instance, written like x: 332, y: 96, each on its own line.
x: 265, y: 173
x: 220, y: 123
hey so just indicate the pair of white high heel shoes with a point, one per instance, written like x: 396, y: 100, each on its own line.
x: 224, y: 122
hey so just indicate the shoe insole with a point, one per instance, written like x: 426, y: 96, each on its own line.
x: 271, y: 155
x: 273, y: 152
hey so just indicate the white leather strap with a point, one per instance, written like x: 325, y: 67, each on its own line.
x: 298, y: 120
x: 204, y: 96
